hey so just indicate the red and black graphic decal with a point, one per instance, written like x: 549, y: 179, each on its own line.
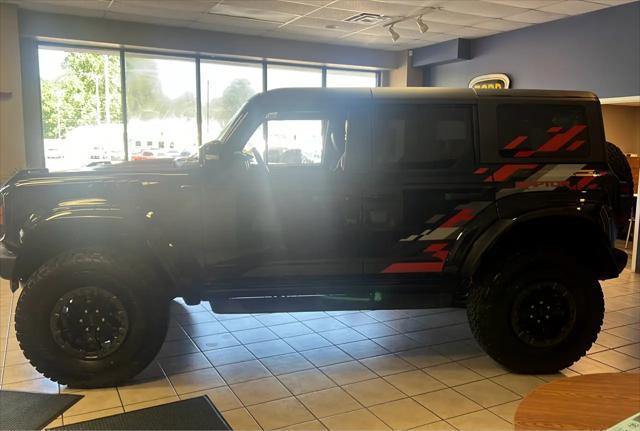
x: 559, y: 143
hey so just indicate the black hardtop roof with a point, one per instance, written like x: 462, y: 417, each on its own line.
x: 303, y: 96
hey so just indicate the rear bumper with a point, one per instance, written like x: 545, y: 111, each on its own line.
x: 7, y: 263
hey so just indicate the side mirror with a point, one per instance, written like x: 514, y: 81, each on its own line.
x: 212, y: 151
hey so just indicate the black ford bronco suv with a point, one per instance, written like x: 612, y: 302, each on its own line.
x: 319, y: 199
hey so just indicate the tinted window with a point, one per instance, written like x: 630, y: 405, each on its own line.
x: 422, y: 136
x: 542, y: 131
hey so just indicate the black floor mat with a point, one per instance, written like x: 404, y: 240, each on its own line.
x: 192, y: 414
x: 30, y: 411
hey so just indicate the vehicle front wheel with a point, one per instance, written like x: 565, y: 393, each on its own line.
x: 91, y: 318
x: 536, y: 312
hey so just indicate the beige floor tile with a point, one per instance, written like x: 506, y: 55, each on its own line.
x: 243, y: 371
x: 229, y: 355
x: 415, y: 382
x: 241, y: 420
x: 447, y: 403
x: 435, y: 426
x: 326, y: 356
x: 363, y: 349
x: 197, y: 380
x: 307, y: 342
x: 484, y: 365
x: 177, y: 347
x: 424, y: 357
x: 152, y: 403
x: 329, y: 402
x: 587, y: 365
x: 519, y: 383
x: 285, y: 364
x: 453, y: 374
x: 348, y: 372
x: 506, y: 411
x: 611, y: 341
x: 68, y: 420
x: 280, y: 413
x: 184, y: 363
x: 217, y: 341
x: 616, y: 359
x: 459, y: 350
x: 631, y: 350
x: 260, y: 391
x: 486, y: 393
x: 223, y: 398
x: 403, y: 414
x: 341, y: 336
x: 371, y: 392
x: 20, y: 373
x: 264, y: 349
x: 42, y: 385
x: 314, y: 425
x: 306, y: 381
x: 15, y: 357
x: 358, y: 420
x: 483, y: 420
x: 146, y: 391
x: 57, y: 422
x: 387, y: 364
x: 93, y: 400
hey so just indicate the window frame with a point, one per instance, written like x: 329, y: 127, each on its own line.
x: 198, y: 58
x: 489, y: 142
x: 464, y: 165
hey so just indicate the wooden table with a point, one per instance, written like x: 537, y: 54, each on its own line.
x: 589, y: 402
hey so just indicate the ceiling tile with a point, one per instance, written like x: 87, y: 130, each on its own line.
x: 327, y: 24
x: 474, y: 32
x: 227, y: 28
x: 573, y: 7
x: 126, y: 8
x: 231, y: 10
x: 331, y: 13
x: 436, y: 27
x: 501, y: 25
x: 315, y: 3
x: 527, y: 4
x: 191, y: 5
x: 379, y: 7
x: 612, y: 2
x: 63, y: 9
x: 456, y: 18
x: 146, y: 19
x: 271, y: 5
x: 535, y: 17
x: 481, y: 8
x: 219, y: 22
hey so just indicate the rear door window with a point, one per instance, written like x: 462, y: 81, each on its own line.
x: 542, y: 131
x: 422, y: 136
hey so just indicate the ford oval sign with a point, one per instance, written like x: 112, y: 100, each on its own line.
x: 497, y: 81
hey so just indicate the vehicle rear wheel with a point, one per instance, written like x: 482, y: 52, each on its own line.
x: 536, y: 312
x: 620, y: 166
x: 91, y: 318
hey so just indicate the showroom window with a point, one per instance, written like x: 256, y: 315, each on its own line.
x: 161, y: 105
x: 279, y: 76
x: 82, y: 121
x: 109, y: 105
x: 224, y: 88
x: 351, y: 78
x: 542, y: 130
x: 422, y: 137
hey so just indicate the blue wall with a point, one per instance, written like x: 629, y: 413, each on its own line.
x: 598, y: 51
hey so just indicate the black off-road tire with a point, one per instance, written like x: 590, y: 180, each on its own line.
x: 493, y: 296
x: 135, y: 286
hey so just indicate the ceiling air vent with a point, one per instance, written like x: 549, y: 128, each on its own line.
x: 367, y: 18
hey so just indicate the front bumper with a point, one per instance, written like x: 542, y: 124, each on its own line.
x: 7, y: 263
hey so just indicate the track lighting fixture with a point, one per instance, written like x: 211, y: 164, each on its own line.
x: 422, y: 26
x: 394, y: 34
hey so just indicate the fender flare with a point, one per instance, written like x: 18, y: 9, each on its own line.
x: 497, y: 231
x: 108, y: 224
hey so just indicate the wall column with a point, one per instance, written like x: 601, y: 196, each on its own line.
x: 405, y: 75
x: 12, y: 148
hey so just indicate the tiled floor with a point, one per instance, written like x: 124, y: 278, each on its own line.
x: 398, y: 369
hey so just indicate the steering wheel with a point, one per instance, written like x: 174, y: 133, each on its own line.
x: 259, y: 159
